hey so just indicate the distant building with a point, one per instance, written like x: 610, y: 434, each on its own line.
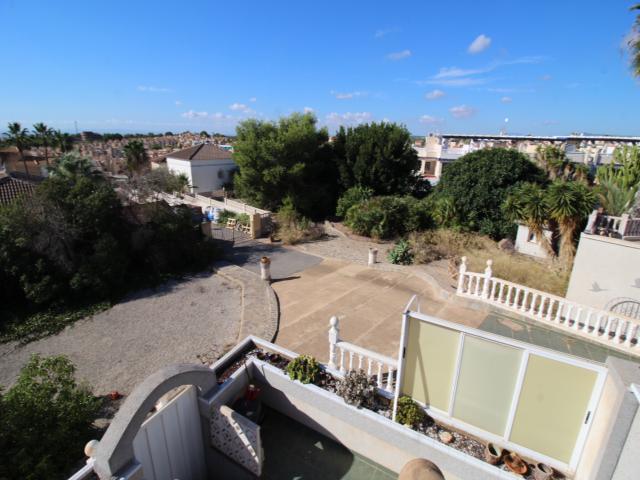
x: 208, y: 167
x: 438, y: 151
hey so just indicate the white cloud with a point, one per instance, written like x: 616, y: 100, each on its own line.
x: 178, y: 103
x: 253, y: 99
x: 462, y: 111
x: 308, y: 110
x: 241, y: 107
x: 349, y: 118
x: 480, y: 44
x: 194, y: 114
x: 455, y: 72
x: 151, y: 88
x: 434, y: 94
x: 399, y: 55
x: 506, y: 99
x: 455, y: 82
x: 384, y: 32
x: 347, y: 95
x: 546, y: 77
x: 430, y: 120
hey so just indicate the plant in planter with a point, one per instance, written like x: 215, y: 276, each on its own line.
x: 493, y: 453
x: 409, y: 413
x: 304, y: 368
x: 357, y: 389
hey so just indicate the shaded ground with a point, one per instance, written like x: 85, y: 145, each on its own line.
x: 117, y: 348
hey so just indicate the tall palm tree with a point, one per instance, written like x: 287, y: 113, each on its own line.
x: 633, y: 43
x: 569, y: 203
x: 62, y: 141
x: 19, y: 137
x: 136, y: 156
x: 43, y: 133
x: 528, y: 204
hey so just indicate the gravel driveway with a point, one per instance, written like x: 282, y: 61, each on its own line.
x: 114, y: 350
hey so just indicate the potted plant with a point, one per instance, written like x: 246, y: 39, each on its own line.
x: 515, y: 463
x: 542, y: 471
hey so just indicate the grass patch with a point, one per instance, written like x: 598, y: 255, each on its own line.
x: 440, y: 244
x: 26, y: 328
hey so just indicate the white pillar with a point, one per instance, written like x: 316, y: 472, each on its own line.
x: 373, y: 255
x: 461, y: 272
x: 488, y: 272
x: 265, y: 269
x: 333, y: 339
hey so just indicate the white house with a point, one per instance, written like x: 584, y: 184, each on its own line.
x: 527, y: 243
x: 208, y: 167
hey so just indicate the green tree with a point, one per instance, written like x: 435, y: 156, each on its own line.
x: 63, y: 141
x: 204, y: 134
x: 619, y: 181
x: 45, y: 420
x: 528, y: 204
x: 72, y: 165
x: 569, y: 204
x: 379, y: 156
x: 478, y: 184
x: 19, y: 137
x: 43, y: 134
x: 352, y: 197
x: 290, y: 158
x: 136, y: 156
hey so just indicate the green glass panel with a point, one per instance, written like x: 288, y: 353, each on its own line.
x: 486, y: 384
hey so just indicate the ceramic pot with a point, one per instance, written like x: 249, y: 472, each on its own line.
x: 516, y: 464
x: 542, y: 471
x: 492, y: 453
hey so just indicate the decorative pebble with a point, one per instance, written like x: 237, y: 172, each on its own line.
x: 445, y: 437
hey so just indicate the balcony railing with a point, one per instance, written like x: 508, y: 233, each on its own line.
x: 624, y: 226
x: 605, y: 327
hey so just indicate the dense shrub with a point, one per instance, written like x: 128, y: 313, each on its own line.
x: 478, y: 183
x: 409, y: 412
x: 351, y: 197
x: 388, y: 217
x: 304, y: 368
x: 225, y: 215
x: 401, y: 253
x: 357, y: 389
x: 45, y: 421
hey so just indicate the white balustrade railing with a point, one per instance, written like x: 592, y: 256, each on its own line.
x: 609, y: 328
x: 623, y: 226
x: 345, y: 356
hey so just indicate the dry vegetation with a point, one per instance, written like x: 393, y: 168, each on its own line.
x: 441, y: 244
x: 294, y: 232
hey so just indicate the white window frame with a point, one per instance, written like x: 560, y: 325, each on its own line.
x: 527, y: 349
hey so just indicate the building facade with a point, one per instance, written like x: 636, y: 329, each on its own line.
x: 208, y: 167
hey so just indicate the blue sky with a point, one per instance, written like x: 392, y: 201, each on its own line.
x: 550, y: 67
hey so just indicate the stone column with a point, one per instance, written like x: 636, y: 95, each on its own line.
x: 333, y: 339
x: 265, y: 269
x: 373, y: 256
x: 461, y: 272
x: 255, y: 225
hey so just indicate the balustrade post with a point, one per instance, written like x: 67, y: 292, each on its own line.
x: 488, y: 272
x: 591, y: 223
x: 461, y: 273
x: 333, y: 339
x: 624, y: 223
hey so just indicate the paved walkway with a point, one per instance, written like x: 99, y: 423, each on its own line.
x: 368, y: 302
x: 196, y: 320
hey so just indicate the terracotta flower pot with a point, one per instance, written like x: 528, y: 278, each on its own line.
x: 492, y: 453
x: 516, y: 464
x: 542, y: 471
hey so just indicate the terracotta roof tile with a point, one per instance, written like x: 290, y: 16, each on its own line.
x: 204, y: 151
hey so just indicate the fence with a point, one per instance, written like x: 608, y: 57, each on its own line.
x: 353, y: 357
x: 609, y: 328
x: 624, y: 226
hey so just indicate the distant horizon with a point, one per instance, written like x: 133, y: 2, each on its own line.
x: 160, y: 67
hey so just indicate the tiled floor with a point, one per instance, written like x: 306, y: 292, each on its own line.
x: 295, y: 452
x: 508, y: 326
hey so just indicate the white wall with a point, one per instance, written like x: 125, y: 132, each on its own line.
x: 533, y: 248
x: 203, y: 174
x: 605, y: 269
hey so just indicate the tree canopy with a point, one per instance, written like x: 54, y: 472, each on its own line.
x: 379, y: 156
x: 478, y: 183
x: 291, y: 159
